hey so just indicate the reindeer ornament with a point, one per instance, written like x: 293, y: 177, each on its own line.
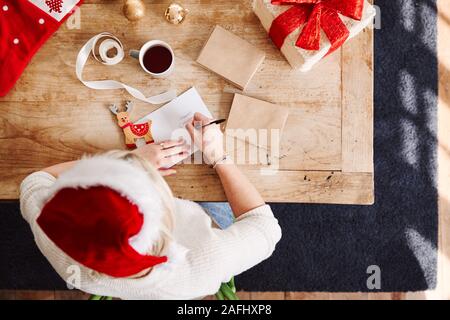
x: 133, y: 132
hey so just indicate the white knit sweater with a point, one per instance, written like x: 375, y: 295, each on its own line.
x: 213, y: 256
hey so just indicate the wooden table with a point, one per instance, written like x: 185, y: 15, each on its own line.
x: 327, y: 145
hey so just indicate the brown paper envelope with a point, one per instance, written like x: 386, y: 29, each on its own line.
x: 230, y: 57
x: 253, y: 114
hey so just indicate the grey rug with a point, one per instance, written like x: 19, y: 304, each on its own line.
x: 329, y: 247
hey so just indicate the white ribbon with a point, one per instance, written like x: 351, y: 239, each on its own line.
x: 107, y: 44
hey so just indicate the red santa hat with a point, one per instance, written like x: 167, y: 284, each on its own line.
x: 106, y: 214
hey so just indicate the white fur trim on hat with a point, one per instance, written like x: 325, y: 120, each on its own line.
x: 129, y: 181
x: 175, y: 254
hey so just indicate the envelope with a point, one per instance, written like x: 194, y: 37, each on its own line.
x: 256, y: 122
x: 231, y: 57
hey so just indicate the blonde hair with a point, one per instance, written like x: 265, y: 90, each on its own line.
x: 164, y: 191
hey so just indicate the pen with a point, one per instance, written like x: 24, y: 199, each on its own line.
x: 219, y: 121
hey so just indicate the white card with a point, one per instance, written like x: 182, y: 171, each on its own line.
x: 57, y: 9
x: 168, y: 122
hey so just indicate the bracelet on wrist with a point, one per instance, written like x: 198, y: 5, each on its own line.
x: 225, y: 159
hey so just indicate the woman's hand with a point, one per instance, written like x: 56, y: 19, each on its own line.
x: 209, y: 139
x: 164, y: 155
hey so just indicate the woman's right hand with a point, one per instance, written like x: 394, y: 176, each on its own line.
x: 209, y: 139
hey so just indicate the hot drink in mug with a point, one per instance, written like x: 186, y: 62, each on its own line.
x: 156, y: 58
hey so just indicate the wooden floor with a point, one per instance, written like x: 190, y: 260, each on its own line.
x: 443, y: 287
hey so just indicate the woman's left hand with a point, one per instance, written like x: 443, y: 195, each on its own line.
x: 164, y: 155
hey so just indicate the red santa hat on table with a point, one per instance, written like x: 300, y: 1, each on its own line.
x: 106, y: 214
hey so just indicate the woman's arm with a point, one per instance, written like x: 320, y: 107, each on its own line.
x: 229, y: 252
x: 160, y: 155
x: 59, y: 168
x: 241, y: 194
x: 254, y: 235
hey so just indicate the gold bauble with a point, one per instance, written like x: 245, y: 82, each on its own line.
x: 134, y: 9
x: 175, y: 13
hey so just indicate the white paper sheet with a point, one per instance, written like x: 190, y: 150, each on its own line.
x: 168, y: 122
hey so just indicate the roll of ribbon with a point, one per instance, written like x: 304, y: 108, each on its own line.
x: 105, y: 42
x: 105, y: 46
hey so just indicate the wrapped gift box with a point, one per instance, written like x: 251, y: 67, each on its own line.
x: 305, y: 59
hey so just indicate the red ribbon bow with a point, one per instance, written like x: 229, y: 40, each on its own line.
x: 317, y: 14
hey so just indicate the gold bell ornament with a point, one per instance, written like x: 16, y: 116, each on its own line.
x: 134, y: 9
x: 175, y: 13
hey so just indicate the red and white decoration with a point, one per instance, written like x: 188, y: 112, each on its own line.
x: 58, y: 9
x: 54, y: 5
x: 305, y: 31
x: 106, y: 214
x: 139, y: 130
x: 25, y: 25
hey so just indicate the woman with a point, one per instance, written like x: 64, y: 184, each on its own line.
x: 109, y: 225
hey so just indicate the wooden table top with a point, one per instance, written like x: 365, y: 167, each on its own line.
x: 327, y: 146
